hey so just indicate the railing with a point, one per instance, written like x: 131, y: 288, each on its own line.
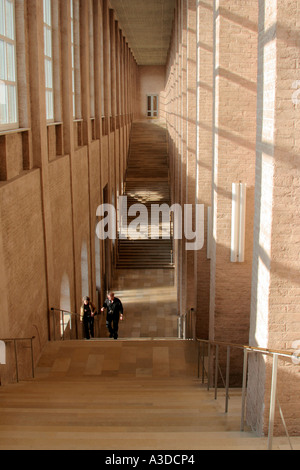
x: 15, y: 341
x: 205, y: 350
x: 187, y: 325
x: 70, y: 325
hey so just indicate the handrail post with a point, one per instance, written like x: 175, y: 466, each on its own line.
x: 245, y: 372
x: 63, y: 325
x: 179, y: 321
x: 199, y: 354
x: 76, y: 327
x: 247, y: 349
x: 194, y: 323
x: 216, y: 371
x: 32, y: 358
x: 184, y: 327
x: 273, y: 401
x: 203, y: 362
x: 16, y: 359
x: 54, y: 324
x: 227, y: 378
x: 208, y: 367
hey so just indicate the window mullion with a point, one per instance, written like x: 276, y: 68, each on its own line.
x: 8, y: 82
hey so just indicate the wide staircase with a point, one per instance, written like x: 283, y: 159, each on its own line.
x: 147, y: 183
x: 127, y: 395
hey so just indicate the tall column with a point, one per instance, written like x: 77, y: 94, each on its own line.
x: 119, y: 153
x: 275, y: 320
x: 98, y: 25
x: 175, y: 149
x: 234, y: 133
x: 191, y: 137
x: 106, y: 63
x: 85, y: 70
x: 113, y: 66
x: 205, y: 49
x: 184, y: 129
x: 39, y: 128
x: 112, y: 142
x: 179, y: 153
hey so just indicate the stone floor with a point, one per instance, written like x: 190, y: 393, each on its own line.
x: 149, y: 300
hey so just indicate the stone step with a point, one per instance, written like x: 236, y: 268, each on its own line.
x: 138, y: 395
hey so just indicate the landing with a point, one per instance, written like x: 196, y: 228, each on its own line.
x: 150, y: 303
x: 134, y: 359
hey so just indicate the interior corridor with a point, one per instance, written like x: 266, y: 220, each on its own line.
x: 187, y: 103
x: 145, y: 278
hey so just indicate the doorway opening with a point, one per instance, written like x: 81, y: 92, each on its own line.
x: 152, y: 106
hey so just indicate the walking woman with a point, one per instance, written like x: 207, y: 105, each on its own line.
x: 87, y: 315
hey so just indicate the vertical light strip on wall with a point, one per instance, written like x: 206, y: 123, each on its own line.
x: 2, y: 353
x: 238, y: 222
x: 209, y: 231
x: 73, y: 58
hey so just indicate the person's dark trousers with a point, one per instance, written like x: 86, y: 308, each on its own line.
x: 89, y: 327
x: 112, y: 324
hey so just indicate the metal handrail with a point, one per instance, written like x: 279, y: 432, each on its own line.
x: 63, y: 312
x: 250, y: 348
x: 247, y: 349
x: 15, y: 340
x: 187, y: 325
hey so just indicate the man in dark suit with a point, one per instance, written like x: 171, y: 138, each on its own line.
x: 114, y: 314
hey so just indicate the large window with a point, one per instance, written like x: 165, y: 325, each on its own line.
x: 75, y: 45
x: 92, y: 60
x: 8, y: 72
x: 48, y: 60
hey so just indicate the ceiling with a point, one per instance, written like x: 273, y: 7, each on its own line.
x: 147, y: 26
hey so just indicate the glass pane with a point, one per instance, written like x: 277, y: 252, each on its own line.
x: 73, y: 81
x: 49, y: 105
x: 10, y: 33
x: 3, y: 103
x: 48, y: 73
x: 73, y: 60
x: 44, y: 9
x: 149, y: 103
x: 72, y: 32
x: 11, y: 75
x: 3, y: 73
x: 47, y: 12
x: 12, y: 104
x: 155, y: 103
x: 48, y: 42
x: 2, y: 17
x: 3, y: 114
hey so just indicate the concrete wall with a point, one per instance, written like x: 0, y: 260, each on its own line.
x: 227, y: 95
x: 275, y: 320
x: 52, y: 176
x: 231, y: 118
